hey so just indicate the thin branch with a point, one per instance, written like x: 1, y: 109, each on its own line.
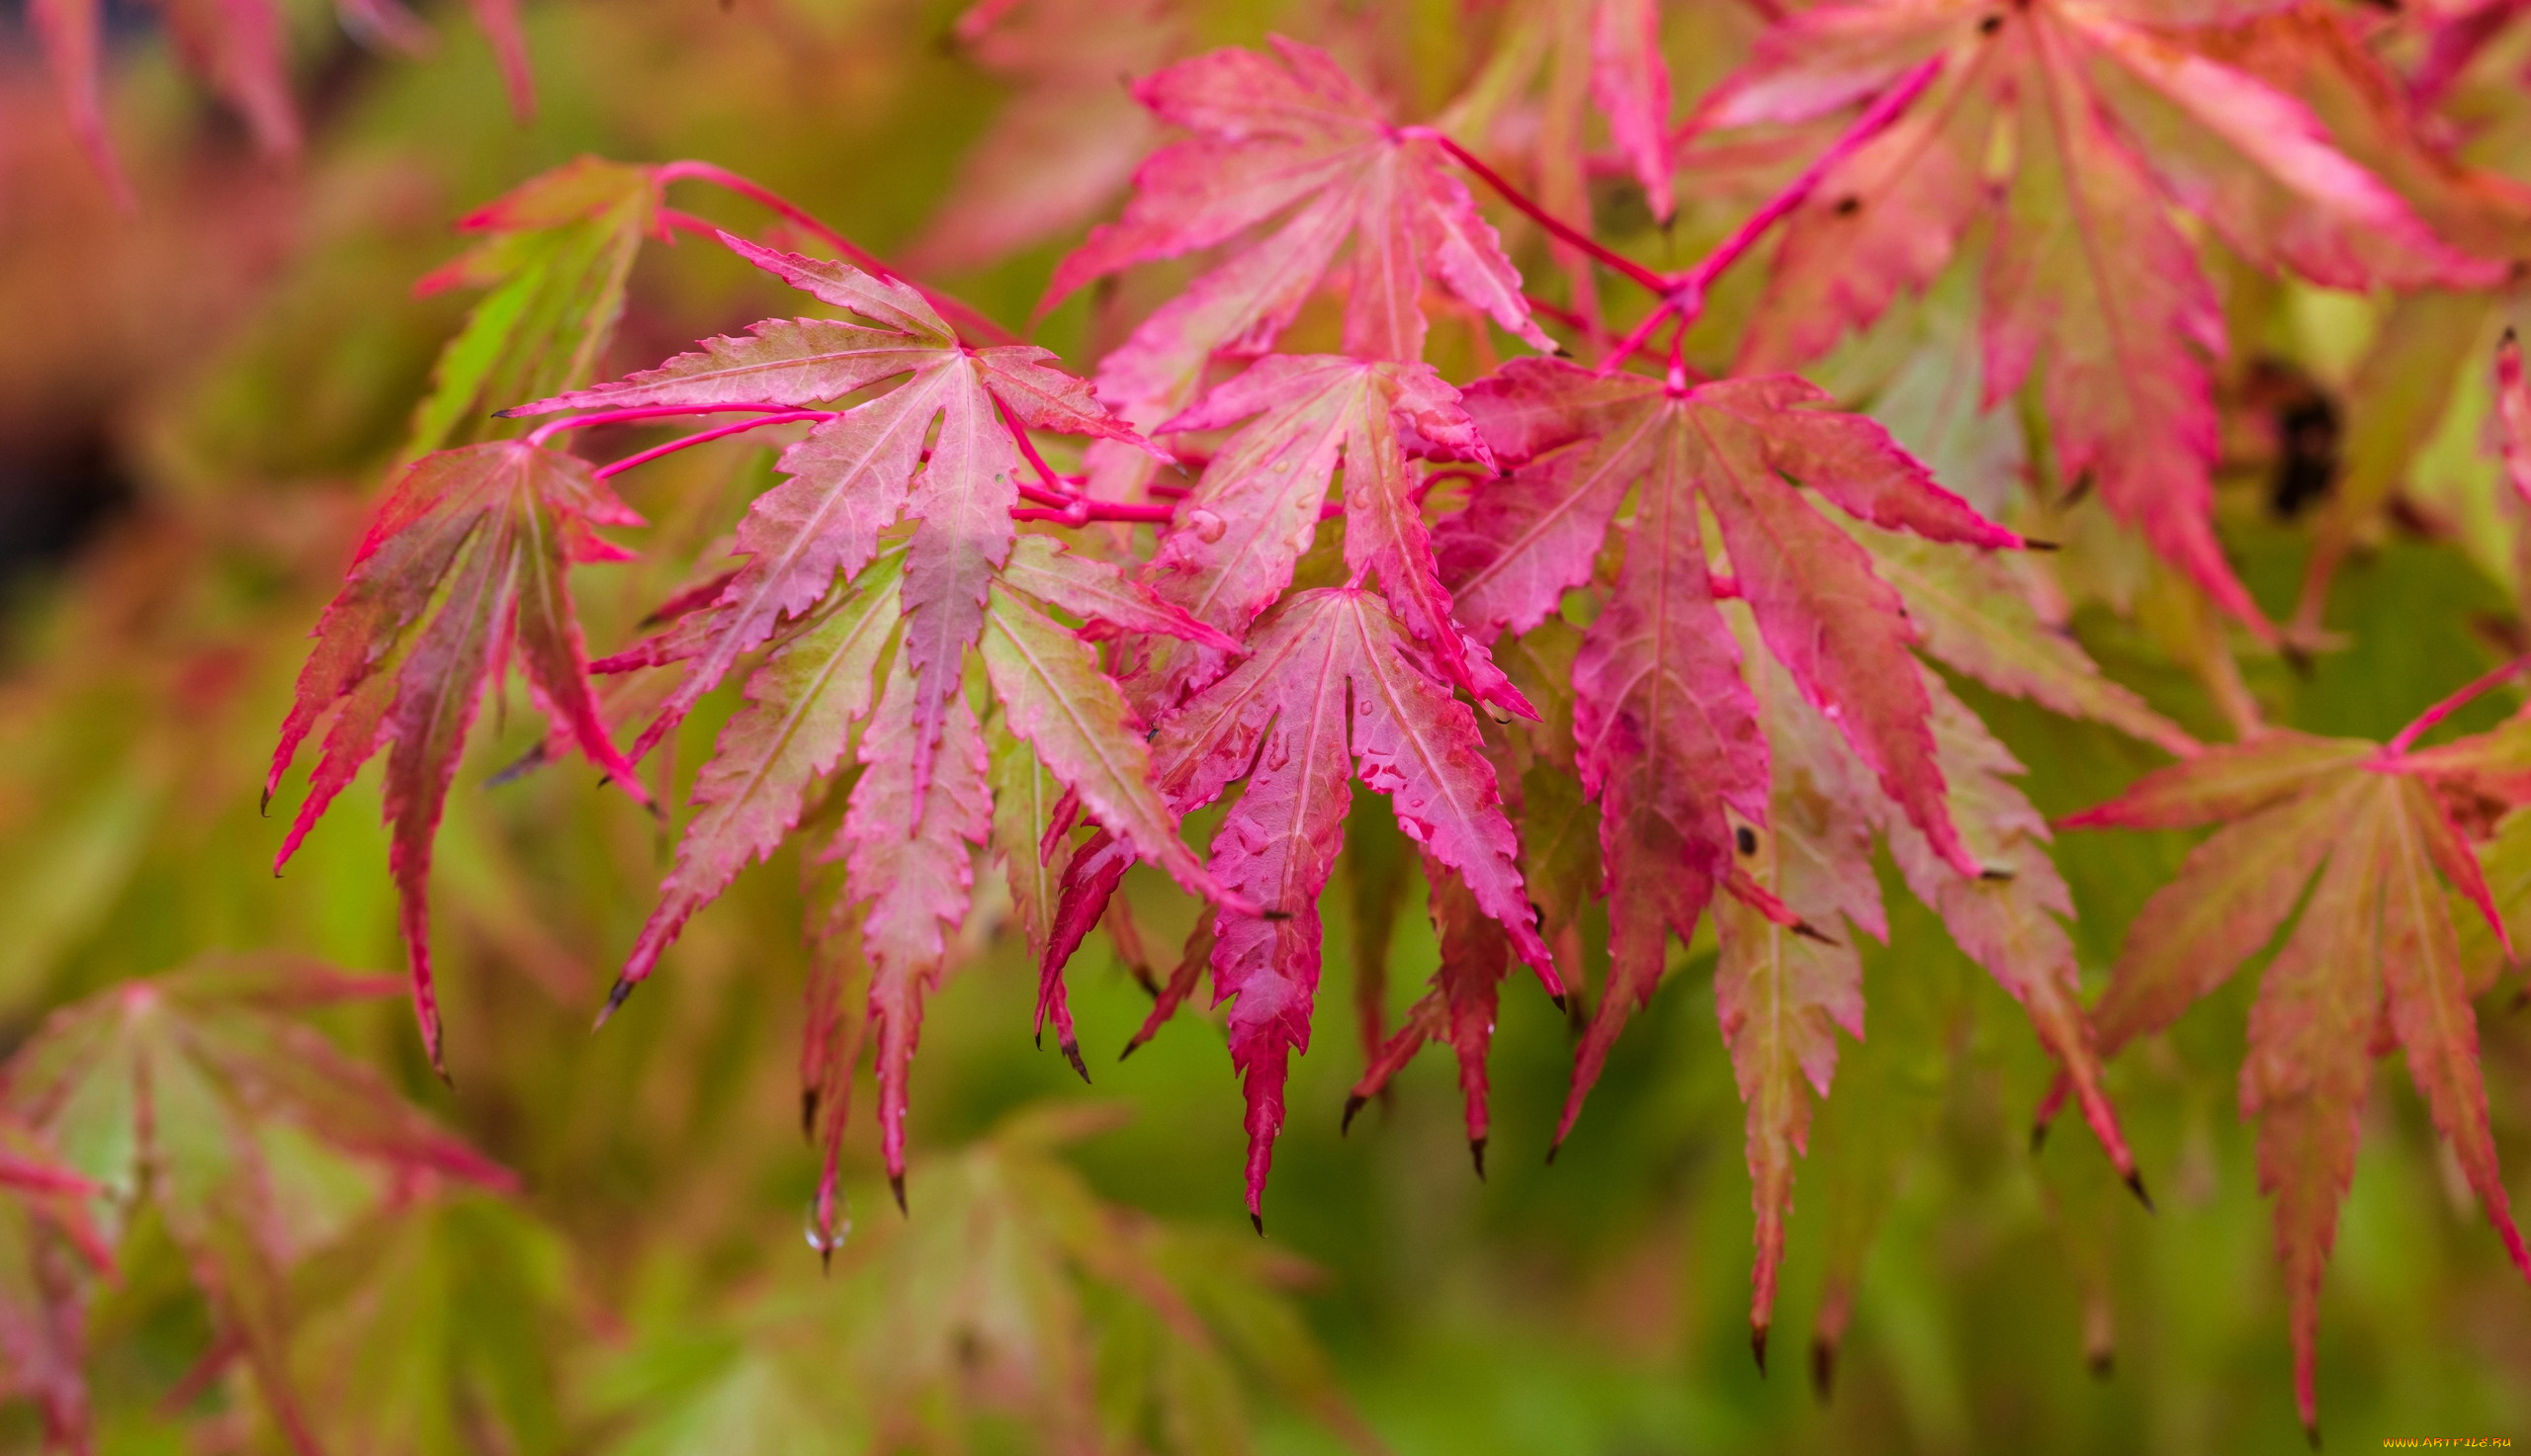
x: 1588, y: 328
x: 958, y: 311
x: 1686, y: 292
x: 1683, y: 295
x: 2430, y: 718
x: 1565, y: 231
x: 1636, y: 338
x: 688, y: 442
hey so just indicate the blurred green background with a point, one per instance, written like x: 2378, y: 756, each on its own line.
x: 197, y: 404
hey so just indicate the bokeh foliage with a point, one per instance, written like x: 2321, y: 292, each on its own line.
x: 248, y: 353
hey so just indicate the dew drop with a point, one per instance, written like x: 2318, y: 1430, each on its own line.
x: 1208, y: 527
x: 821, y: 1243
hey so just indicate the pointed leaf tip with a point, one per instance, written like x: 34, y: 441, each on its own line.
x: 1258, y: 1220
x: 1758, y: 1347
x: 2102, y: 1363
x: 1476, y: 1154
x: 897, y: 1186
x: 808, y: 1111
x: 614, y: 998
x: 1072, y: 1054
x: 2136, y: 1185
x: 1352, y: 1105
x: 1823, y: 1369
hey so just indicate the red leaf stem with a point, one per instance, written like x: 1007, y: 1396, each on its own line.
x: 673, y: 221
x: 1688, y: 292
x: 1080, y: 511
x: 618, y: 467
x: 1565, y: 231
x: 2426, y: 720
x: 1058, y: 492
x: 1683, y: 295
x: 551, y: 428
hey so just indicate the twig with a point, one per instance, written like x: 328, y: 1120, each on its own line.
x: 1683, y: 295
x: 1689, y: 290
x: 1565, y: 231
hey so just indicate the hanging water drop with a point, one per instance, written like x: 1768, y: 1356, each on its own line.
x: 820, y: 1239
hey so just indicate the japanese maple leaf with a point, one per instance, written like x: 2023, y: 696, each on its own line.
x: 1668, y: 734
x: 182, y: 1092
x: 1782, y: 991
x: 2372, y: 961
x: 1783, y: 994
x: 2109, y: 122
x: 1288, y: 136
x: 856, y: 474
x: 907, y: 852
x: 944, y: 448
x: 1630, y: 81
x: 461, y: 573
x: 1235, y: 540
x: 49, y: 1247
x: 1335, y: 688
x: 1978, y: 620
x: 552, y: 254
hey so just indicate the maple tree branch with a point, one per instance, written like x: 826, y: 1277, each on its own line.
x: 957, y: 310
x: 1565, y: 231
x: 2427, y: 721
x: 687, y: 442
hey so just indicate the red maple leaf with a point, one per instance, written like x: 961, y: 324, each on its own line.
x: 461, y: 573
x: 1237, y: 536
x: 1289, y: 136
x: 2087, y: 281
x: 182, y: 1094
x: 2371, y: 963
x: 1333, y: 688
x: 1669, y: 737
